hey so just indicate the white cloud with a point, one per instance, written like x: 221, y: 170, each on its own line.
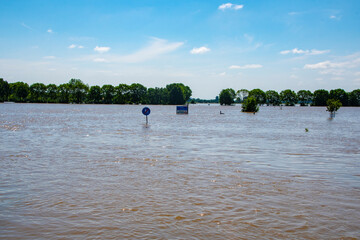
x: 200, y: 50
x: 249, y: 38
x: 50, y: 30
x: 222, y: 74
x: 341, y: 66
x: 247, y: 66
x: 49, y: 57
x: 99, y: 60
x: 329, y: 64
x: 101, y: 49
x: 306, y: 52
x: 230, y: 6
x: 75, y: 46
x: 320, y: 65
x: 318, y: 52
x: 155, y: 48
x: 26, y: 26
x: 334, y: 17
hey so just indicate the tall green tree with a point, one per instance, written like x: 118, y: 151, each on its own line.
x: 332, y: 106
x: 4, y: 90
x: 78, y: 91
x: 272, y: 98
x: 51, y: 93
x: 157, y: 96
x: 227, y: 96
x: 19, y: 91
x: 37, y: 93
x: 304, y: 97
x: 259, y: 95
x: 354, y: 98
x: 63, y: 95
x: 288, y: 97
x: 320, y: 97
x: 122, y: 94
x: 241, y: 95
x: 137, y: 93
x: 178, y: 93
x: 94, y: 95
x: 341, y: 95
x: 107, y: 93
x: 250, y: 105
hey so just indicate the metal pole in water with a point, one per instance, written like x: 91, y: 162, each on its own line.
x: 146, y: 111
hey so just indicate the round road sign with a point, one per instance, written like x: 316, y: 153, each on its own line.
x: 146, y: 111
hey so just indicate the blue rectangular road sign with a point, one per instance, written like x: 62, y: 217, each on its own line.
x: 182, y: 109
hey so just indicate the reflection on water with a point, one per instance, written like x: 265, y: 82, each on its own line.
x: 97, y: 171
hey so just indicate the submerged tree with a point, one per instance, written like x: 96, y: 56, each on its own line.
x: 250, y: 105
x: 227, y: 96
x: 4, y: 90
x: 77, y: 91
x: 178, y: 93
x: 94, y: 95
x: 332, y: 106
x: 19, y: 91
x: 259, y: 95
x: 288, y: 97
x: 354, y: 98
x: 320, y: 97
x: 241, y: 95
x: 272, y: 98
x: 107, y: 93
x: 304, y: 97
x: 339, y: 94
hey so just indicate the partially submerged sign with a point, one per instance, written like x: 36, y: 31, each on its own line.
x: 146, y: 111
x: 182, y: 109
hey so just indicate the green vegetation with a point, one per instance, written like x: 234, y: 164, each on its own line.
x: 320, y: 97
x: 305, y: 97
x: 75, y: 91
x: 302, y: 97
x: 250, y: 105
x: 259, y: 95
x: 288, y: 97
x: 4, y: 90
x: 272, y: 98
x: 227, y: 96
x: 332, y: 106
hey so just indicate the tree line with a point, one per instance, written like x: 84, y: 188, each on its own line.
x: 290, y: 98
x: 75, y: 91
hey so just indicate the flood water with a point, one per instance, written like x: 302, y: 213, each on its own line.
x: 98, y: 172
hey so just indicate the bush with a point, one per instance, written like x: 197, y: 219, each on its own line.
x: 332, y: 106
x: 250, y: 105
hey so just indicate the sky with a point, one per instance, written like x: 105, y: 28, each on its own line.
x: 207, y: 45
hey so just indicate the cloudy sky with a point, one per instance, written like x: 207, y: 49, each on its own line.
x: 207, y: 45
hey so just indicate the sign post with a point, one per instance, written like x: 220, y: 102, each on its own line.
x: 146, y: 111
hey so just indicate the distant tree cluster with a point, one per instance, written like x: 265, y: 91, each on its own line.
x: 290, y: 98
x: 75, y: 91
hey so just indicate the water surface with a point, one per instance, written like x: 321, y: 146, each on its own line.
x: 97, y: 171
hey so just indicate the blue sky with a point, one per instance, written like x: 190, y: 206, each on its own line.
x: 207, y: 45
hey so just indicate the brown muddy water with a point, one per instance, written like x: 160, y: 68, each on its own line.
x: 97, y: 172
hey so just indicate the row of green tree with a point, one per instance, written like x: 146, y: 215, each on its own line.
x: 290, y: 98
x: 75, y: 91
